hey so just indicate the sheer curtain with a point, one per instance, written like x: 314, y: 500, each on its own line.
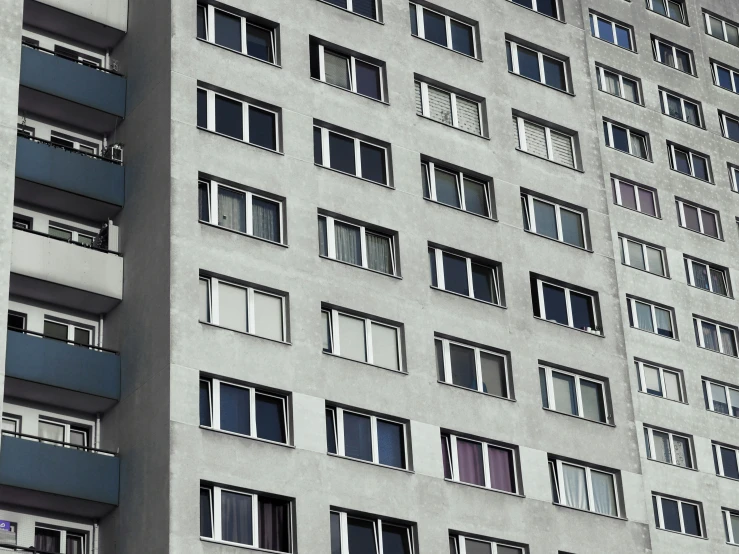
x: 266, y: 219
x: 232, y: 209
x: 379, y: 255
x: 348, y: 243
x: 717, y: 281
x: 47, y: 540
x: 604, y: 496
x: 447, y: 458
x: 501, y: 469
x: 700, y: 276
x: 644, y: 317
x: 728, y: 341
x: 611, y: 84
x: 236, y: 517
x: 575, y: 489
x: 710, y: 338
x: 664, y: 322
x: 469, y: 456
x: 74, y: 545
x: 322, y: 237
x: 273, y: 525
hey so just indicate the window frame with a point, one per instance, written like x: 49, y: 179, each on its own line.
x: 478, y: 351
x: 515, y: 69
x: 689, y: 261
x: 522, y: 145
x: 363, y: 230
x: 63, y: 533
x: 71, y: 326
x: 723, y: 120
x: 530, y: 216
x: 634, y: 319
x: 326, y: 154
x: 495, y: 270
x: 69, y: 428
x: 616, y: 182
x: 540, y: 281
x: 659, y: 517
x: 733, y: 75
x: 600, y: 73
x: 351, y: 71
x: 663, y: 384
x: 724, y: 24
x: 460, y: 540
x: 451, y: 440
x: 675, y: 49
x: 245, y: 21
x: 429, y: 168
x: 665, y: 110
x: 727, y: 515
x: 421, y: 28
x: 555, y: 466
x: 681, y: 4
x: 626, y: 256
x: 17, y: 421
x: 710, y: 404
x: 681, y: 219
x: 426, y: 111
x: 594, y: 18
x: 650, y: 448
x: 698, y: 322
x: 551, y: 399
x: 535, y: 8
x: 629, y: 132
x: 718, y: 458
x: 377, y: 523
x: 350, y: 8
x: 733, y: 177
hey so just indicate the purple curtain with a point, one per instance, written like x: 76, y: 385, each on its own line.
x: 47, y: 540
x: 501, y: 469
x: 236, y: 517
x: 273, y: 525
x: 469, y: 455
x: 447, y: 459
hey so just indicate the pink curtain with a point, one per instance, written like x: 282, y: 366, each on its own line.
x: 469, y: 455
x: 501, y: 469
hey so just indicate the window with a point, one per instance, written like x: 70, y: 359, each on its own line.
x: 479, y: 463
x: 243, y: 410
x: 672, y: 56
x: 552, y: 220
x: 461, y: 275
x: 729, y: 126
x: 16, y: 321
x: 245, y: 518
x: 720, y: 398
x: 642, y: 256
x: 615, y: 33
x: 449, y: 108
x: 10, y: 424
x: 472, y: 367
x: 731, y: 522
x: 536, y: 66
x: 347, y: 71
x: 546, y: 7
x: 369, y: 535
x: 545, y: 142
x: 722, y: 30
x: 734, y: 177
x: 668, y: 447
x: 60, y: 232
x: 715, y: 336
x: 635, y: 197
x: 22, y: 222
x: 455, y: 189
x: 707, y: 277
x: 242, y: 308
x: 240, y: 210
x: 362, y: 339
x: 461, y: 543
x: 726, y: 77
x: 689, y: 163
x: 668, y: 8
x: 565, y: 306
x: 698, y: 219
x: 651, y: 318
x: 584, y: 488
x: 680, y: 516
x: 365, y: 8
x: 680, y: 108
x: 570, y: 393
x: 366, y: 437
x: 626, y: 140
x: 74, y: 436
x: 356, y: 245
x: 51, y: 540
x: 238, y: 119
x: 347, y: 154
x: 236, y: 33
x: 61, y: 330
x: 726, y: 459
x: 9, y: 533
x: 443, y: 30
x: 615, y: 83
x: 658, y: 381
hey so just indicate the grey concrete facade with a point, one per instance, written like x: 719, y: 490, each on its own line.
x: 153, y: 321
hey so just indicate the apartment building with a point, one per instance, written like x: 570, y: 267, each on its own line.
x: 369, y: 276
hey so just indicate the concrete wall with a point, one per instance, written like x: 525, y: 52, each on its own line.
x: 113, y: 13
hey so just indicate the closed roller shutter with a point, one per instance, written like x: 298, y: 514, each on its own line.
x: 562, y: 149
x: 468, y: 115
x: 536, y: 142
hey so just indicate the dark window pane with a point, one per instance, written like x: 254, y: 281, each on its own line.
x: 670, y: 515
x: 361, y: 535
x: 266, y: 215
x: 236, y: 518
x: 555, y: 304
x: 432, y: 261
x: 317, y: 146
x: 492, y: 369
x: 605, y: 30
x: 682, y: 162
x: 235, y: 409
x: 475, y: 197
x: 414, y: 21
x: 623, y: 37
x: 525, y: 3
x: 620, y: 138
x: 683, y: 61
x: 447, y: 191
x: 365, y: 8
x: 572, y: 228
x: 335, y: 533
x: 646, y: 201
x: 528, y: 63
x: 357, y: 436
x: 732, y: 129
x: 228, y: 30
x: 205, y: 403
x: 548, y: 7
x: 202, y: 31
x: 723, y: 76
x: 395, y: 540
x: 391, y: 443
x: 203, y: 202
x: 554, y: 73
x: 700, y: 168
x: 434, y: 27
x: 55, y: 330
x: 447, y: 459
x: 342, y: 153
x: 270, y: 413
x: 628, y: 196
x: 582, y: 311
x: 482, y: 283
x: 82, y: 336
x: 17, y: 322
x: 340, y: 3
x: 330, y: 432
x: 728, y: 458
x: 229, y: 117
x: 545, y: 218
x: 262, y: 128
x: 455, y: 274
x: 709, y: 224
x: 439, y: 348
x: 47, y: 540
x: 691, y: 519
x: 463, y: 366
x: 543, y: 387
x: 206, y: 519
x: 462, y: 38
x: 274, y: 531
x: 202, y: 108
x: 502, y: 475
x: 368, y: 80
x: 509, y: 55
x: 691, y: 217
x: 259, y: 43
x: 592, y: 401
x: 373, y: 163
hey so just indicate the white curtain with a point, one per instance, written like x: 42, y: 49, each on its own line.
x: 604, y: 496
x: 575, y: 488
x: 50, y: 431
x: 644, y: 317
x: 266, y: 216
x: 664, y: 322
x: 348, y: 243
x: 611, y: 84
x: 379, y: 255
x: 232, y: 209
x: 728, y: 341
x: 710, y: 337
x: 336, y: 69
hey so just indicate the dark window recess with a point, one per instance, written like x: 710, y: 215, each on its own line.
x: 368, y: 80
x: 259, y: 43
x: 373, y: 163
x: 228, y: 30
x: 229, y: 117
x: 235, y: 415
x: 434, y: 27
x: 342, y: 153
x: 270, y: 418
x: 202, y: 109
x: 357, y: 436
x: 262, y: 128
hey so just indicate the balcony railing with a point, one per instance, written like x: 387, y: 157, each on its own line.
x: 44, y: 440
x: 68, y: 149
x: 71, y: 58
x: 81, y: 344
x: 99, y: 243
x: 9, y: 548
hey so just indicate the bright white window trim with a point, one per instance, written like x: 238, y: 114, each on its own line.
x: 15, y: 421
x: 430, y: 168
x: 717, y: 448
x: 210, y: 31
x: 683, y: 113
x: 72, y: 327
x: 556, y: 468
x: 76, y: 235
x: 645, y: 249
x: 211, y: 117
x: 454, y: 461
x: 548, y: 131
x: 459, y: 543
x: 629, y: 137
x: 691, y: 157
x: 338, y: 417
x: 567, y: 291
x: 448, y: 24
x: 352, y: 71
x: 734, y: 177
x: 724, y: 36
x: 335, y: 337
x: 426, y: 110
x: 213, y: 187
x: 658, y: 56
x: 448, y: 378
x: 640, y: 366
x: 731, y: 537
x: 602, y: 79
x: 440, y: 279
x: 660, y: 517
x: 725, y: 118
x: 732, y: 408
x: 377, y: 524
x: 681, y: 211
x: 363, y: 231
x: 350, y: 8
x: 551, y: 397
x: 596, y: 31
x: 326, y: 154
x: 719, y: 327
x: 653, y: 311
x: 649, y: 437
x: 535, y: 7
x: 681, y: 7
x: 530, y: 215
x: 691, y: 264
x: 733, y: 76
x: 63, y: 534
x: 619, y: 200
x: 69, y: 428
x: 516, y: 69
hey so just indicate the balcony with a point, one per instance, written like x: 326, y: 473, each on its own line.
x: 53, y: 476
x: 100, y: 23
x: 67, y: 180
x: 61, y: 374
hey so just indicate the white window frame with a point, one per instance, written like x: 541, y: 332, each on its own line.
x: 363, y: 230
x: 454, y: 461
x: 681, y: 212
x: 75, y: 234
x: 420, y: 25
x: 730, y: 538
x: 588, y: 483
x: 430, y: 169
x: 548, y: 138
x: 460, y: 541
x: 213, y: 304
x: 681, y: 5
x: 609, y: 127
x: 441, y: 284
x: 724, y: 38
x: 326, y: 154
x: 211, y: 118
x: 619, y: 201
x: 734, y: 177
x: 377, y: 524
x: 350, y: 8
x: 62, y: 535
x: 649, y: 435
x: 725, y: 127
x: 734, y: 75
x: 596, y: 32
x: 551, y: 400
x: 719, y: 326
x: 448, y: 379
x: 352, y: 71
x: 602, y: 79
x: 719, y: 459
x: 653, y: 309
x: 658, y: 56
x: 84, y: 146
x: 535, y: 7
x: 531, y: 218
x: 71, y: 327
x: 661, y: 371
x: 68, y: 429
x: 17, y: 421
x: 335, y: 345
x: 709, y: 396
x: 627, y: 260
x: 214, y: 395
x: 567, y: 291
x: 689, y: 262
x: 426, y: 111
x: 210, y: 32
x: 664, y: 94
x: 516, y: 69
x: 661, y: 519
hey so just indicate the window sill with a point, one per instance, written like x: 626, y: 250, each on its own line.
x: 647, y: 272
x: 449, y: 49
x: 676, y: 69
x: 469, y: 297
x: 237, y: 545
x: 475, y: 391
x: 397, y: 371
x: 711, y: 292
x: 636, y: 211
x: 633, y: 51
x: 727, y: 477
x: 538, y: 12
x: 514, y: 494
x: 241, y: 141
x: 699, y: 233
x: 437, y: 203
x: 453, y: 127
x: 387, y: 186
x: 235, y: 232
x: 683, y: 121
x: 654, y: 333
x: 592, y: 333
x: 723, y: 88
x: 351, y: 12
x: 691, y: 176
x: 722, y: 413
x: 621, y: 97
x: 361, y: 267
x: 670, y: 18
x: 583, y: 249
x: 567, y: 92
x: 208, y: 324
x: 717, y: 352
x: 630, y: 154
x: 273, y: 64
x: 649, y: 394
x: 683, y: 534
x: 673, y: 465
x: 239, y: 435
x: 604, y: 423
x: 550, y: 161
x: 383, y: 102
x: 402, y: 470
x: 620, y: 518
